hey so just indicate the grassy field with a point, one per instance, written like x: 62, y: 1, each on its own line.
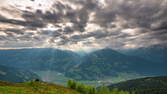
x: 33, y: 87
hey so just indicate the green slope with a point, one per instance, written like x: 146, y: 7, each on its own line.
x: 109, y: 63
x: 39, y: 59
x: 33, y: 87
x: 149, y: 85
x: 155, y: 54
x: 16, y: 75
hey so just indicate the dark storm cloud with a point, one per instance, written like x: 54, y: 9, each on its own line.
x: 78, y: 17
x: 29, y: 24
x: 140, y: 11
x: 138, y: 14
x: 83, y: 14
x: 161, y: 26
x: 2, y: 37
x: 43, y: 18
x: 81, y: 37
x: 161, y: 35
x: 17, y: 31
x: 52, y: 33
x: 103, y: 17
x: 68, y: 30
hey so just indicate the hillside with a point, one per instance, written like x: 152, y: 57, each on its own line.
x: 149, y: 85
x: 15, y: 75
x: 33, y: 87
x: 155, y: 54
x: 109, y: 63
x: 38, y: 87
x: 39, y: 59
x: 152, y: 53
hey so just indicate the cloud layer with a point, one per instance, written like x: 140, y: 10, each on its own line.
x: 83, y: 24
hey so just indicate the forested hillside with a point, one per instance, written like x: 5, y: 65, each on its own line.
x: 149, y: 85
x: 107, y: 62
x: 16, y: 75
x: 39, y: 59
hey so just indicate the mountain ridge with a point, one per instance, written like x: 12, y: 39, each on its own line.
x: 92, y: 66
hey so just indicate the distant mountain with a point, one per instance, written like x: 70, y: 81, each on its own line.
x: 104, y: 63
x: 149, y: 85
x: 39, y: 59
x: 107, y: 62
x: 157, y: 54
x: 15, y: 75
x: 153, y: 53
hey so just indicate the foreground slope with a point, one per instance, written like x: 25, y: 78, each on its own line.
x: 149, y: 85
x: 33, y: 87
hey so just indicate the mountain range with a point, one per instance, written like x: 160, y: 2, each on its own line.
x: 95, y: 65
x: 107, y: 62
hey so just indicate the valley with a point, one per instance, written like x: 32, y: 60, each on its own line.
x: 96, y: 68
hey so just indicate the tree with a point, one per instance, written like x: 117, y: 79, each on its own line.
x: 71, y: 84
x: 85, y: 89
x: 103, y: 90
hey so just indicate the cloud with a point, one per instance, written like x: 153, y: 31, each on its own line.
x: 77, y: 24
x: 28, y: 24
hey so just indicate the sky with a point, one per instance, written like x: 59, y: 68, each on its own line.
x: 82, y: 24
